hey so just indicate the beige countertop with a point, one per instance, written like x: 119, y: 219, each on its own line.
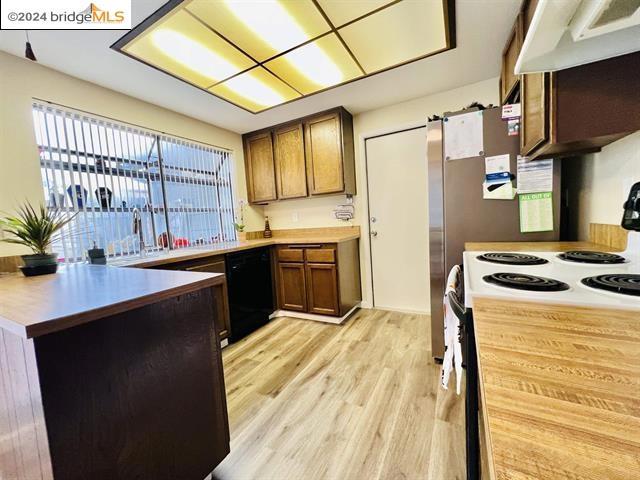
x: 77, y: 294
x: 559, y: 388
x: 315, y: 236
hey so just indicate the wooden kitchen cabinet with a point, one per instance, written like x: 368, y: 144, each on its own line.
x: 291, y: 172
x: 534, y: 109
x: 292, y: 291
x: 214, y: 264
x: 313, y: 155
x: 580, y: 109
x: 259, y: 167
x: 322, y: 279
x: 575, y: 110
x: 325, y: 155
x: 509, y: 81
x: 322, y: 288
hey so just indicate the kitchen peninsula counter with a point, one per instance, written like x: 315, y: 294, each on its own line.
x: 111, y: 373
x: 77, y: 294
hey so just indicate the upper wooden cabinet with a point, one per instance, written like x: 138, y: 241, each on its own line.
x: 291, y: 174
x: 313, y: 155
x: 259, y: 166
x: 323, y: 147
x: 533, y: 126
x: 571, y: 111
x: 509, y: 80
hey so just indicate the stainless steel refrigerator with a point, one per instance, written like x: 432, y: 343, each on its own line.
x: 458, y: 213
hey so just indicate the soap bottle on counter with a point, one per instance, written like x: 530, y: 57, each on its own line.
x: 267, y: 229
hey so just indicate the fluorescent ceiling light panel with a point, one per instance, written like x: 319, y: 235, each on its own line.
x: 258, y: 54
x: 343, y: 11
x: 262, y: 28
x: 255, y: 90
x: 187, y: 49
x: 316, y: 66
x: 396, y: 35
x: 193, y: 55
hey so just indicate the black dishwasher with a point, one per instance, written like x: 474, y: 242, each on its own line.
x: 250, y: 291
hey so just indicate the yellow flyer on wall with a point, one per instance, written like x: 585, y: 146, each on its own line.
x: 536, y: 212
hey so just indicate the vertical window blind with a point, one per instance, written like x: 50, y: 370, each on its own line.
x: 102, y: 170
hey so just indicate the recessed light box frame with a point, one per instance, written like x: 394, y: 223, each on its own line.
x: 448, y: 8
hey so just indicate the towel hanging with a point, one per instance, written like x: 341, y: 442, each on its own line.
x: 452, y: 336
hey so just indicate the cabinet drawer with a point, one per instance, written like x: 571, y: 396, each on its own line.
x: 325, y: 255
x: 290, y: 255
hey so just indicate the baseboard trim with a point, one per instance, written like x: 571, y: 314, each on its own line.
x: 313, y: 316
x: 401, y: 310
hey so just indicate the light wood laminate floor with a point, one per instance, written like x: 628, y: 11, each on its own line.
x: 309, y: 400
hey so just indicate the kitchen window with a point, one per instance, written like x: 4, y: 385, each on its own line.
x: 103, y: 170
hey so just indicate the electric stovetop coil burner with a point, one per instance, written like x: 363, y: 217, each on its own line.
x: 505, y: 258
x: 522, y: 281
x: 591, y: 257
x: 625, y: 283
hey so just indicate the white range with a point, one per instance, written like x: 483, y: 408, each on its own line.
x: 590, y: 279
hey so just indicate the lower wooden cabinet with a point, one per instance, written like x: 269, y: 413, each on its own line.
x: 215, y: 264
x: 292, y: 291
x: 320, y: 279
x: 322, y: 288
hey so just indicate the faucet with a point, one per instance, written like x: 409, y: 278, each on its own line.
x: 137, y: 228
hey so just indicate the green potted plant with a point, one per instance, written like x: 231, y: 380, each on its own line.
x: 36, y: 229
x: 239, y: 223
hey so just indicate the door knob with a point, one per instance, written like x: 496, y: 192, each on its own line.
x: 373, y: 219
x: 374, y: 233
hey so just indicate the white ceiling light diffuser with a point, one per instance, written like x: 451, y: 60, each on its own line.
x: 258, y: 54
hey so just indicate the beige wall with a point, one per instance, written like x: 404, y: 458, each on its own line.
x: 601, y: 182
x: 21, y: 80
x: 318, y: 212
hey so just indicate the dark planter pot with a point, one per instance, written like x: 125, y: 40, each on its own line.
x: 37, y: 259
x: 39, y: 264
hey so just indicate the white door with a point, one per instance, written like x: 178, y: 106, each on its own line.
x: 399, y: 220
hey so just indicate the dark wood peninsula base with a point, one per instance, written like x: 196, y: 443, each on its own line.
x: 135, y: 394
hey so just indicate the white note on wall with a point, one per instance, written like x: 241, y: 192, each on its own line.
x: 497, y: 164
x: 535, y: 176
x: 463, y: 136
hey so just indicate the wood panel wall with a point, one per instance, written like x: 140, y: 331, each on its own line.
x: 613, y: 236
x: 10, y: 264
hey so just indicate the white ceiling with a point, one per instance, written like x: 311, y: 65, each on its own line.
x: 482, y: 28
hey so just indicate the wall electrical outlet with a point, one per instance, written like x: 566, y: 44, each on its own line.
x: 295, y: 217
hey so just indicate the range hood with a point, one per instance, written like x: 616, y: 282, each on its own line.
x: 567, y: 33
